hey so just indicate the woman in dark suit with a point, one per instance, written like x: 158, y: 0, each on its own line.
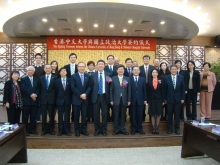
x: 155, y: 99
x: 54, y: 65
x: 13, y: 98
x: 193, y: 89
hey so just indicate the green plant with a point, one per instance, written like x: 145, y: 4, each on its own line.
x: 215, y: 67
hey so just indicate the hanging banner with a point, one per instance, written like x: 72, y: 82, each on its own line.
x: 100, y: 43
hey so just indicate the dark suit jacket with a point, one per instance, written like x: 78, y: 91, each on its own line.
x: 63, y: 96
x: 159, y: 93
x: 68, y: 70
x: 114, y: 72
x: 78, y: 89
x: 47, y: 96
x: 116, y: 90
x: 8, y: 91
x: 143, y: 74
x: 138, y: 93
x: 27, y: 90
x: 195, y: 81
x: 126, y: 72
x: 174, y: 95
x: 95, y: 87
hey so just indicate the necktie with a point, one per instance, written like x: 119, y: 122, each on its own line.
x: 100, y: 84
x: 47, y: 82
x: 31, y: 81
x: 82, y: 79
x: 72, y: 69
x: 174, y: 83
x: 146, y: 74
x: 129, y: 71
x: 136, y: 81
x: 110, y: 69
x: 64, y: 84
x: 120, y: 80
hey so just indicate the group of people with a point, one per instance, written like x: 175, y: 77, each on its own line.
x: 106, y: 87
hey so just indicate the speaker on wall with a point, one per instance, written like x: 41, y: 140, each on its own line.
x: 217, y: 40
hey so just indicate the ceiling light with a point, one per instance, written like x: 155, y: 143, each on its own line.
x: 10, y: 1
x: 111, y: 25
x: 153, y: 31
x: 130, y: 21
x: 80, y: 29
x: 96, y: 25
x: 185, y: 1
x: 199, y: 8
x: 0, y: 8
x: 124, y: 30
x: 209, y: 20
x: 215, y: 46
x: 79, y: 20
x: 208, y: 26
x: 206, y: 14
x: 204, y: 31
x: 162, y: 22
x: 44, y: 20
x: 51, y: 29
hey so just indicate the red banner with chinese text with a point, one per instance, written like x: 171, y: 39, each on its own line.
x: 100, y: 43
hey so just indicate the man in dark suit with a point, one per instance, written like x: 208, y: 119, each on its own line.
x: 30, y: 90
x: 120, y: 98
x: 145, y: 71
x: 80, y: 85
x: 138, y: 100
x: 72, y: 69
x: 63, y: 102
x: 100, y: 97
x: 174, y: 97
x: 48, y: 98
x: 110, y: 68
x: 128, y: 69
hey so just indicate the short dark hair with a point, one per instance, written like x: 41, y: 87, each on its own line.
x: 146, y: 56
x: 90, y: 62
x: 173, y: 66
x: 120, y: 66
x: 38, y: 54
x: 110, y: 56
x: 207, y: 64
x: 153, y: 70
x: 61, y: 69
x: 101, y: 61
x: 176, y: 61
x: 190, y: 61
x: 127, y: 59
x: 72, y: 54
x: 14, y: 72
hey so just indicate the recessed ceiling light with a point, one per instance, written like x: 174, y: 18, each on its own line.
x: 162, y: 22
x: 79, y: 20
x: 199, y: 8
x: 80, y: 29
x: 44, y: 20
x: 215, y: 46
x: 185, y: 1
x: 206, y: 14
x: 208, y: 26
x: 96, y: 25
x: 111, y: 25
x: 124, y: 30
x: 204, y: 31
x: 209, y: 20
x: 153, y: 31
x: 51, y: 29
x: 10, y: 1
x: 130, y: 21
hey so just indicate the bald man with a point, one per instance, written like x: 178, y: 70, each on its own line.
x: 157, y: 63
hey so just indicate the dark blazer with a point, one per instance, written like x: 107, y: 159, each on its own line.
x: 63, y: 96
x: 68, y: 70
x: 116, y: 90
x: 159, y: 93
x: 95, y: 87
x: 114, y: 72
x: 143, y: 74
x: 47, y: 96
x: 195, y: 81
x: 27, y: 90
x: 8, y: 91
x: 78, y: 89
x: 138, y: 93
x: 126, y: 72
x: 174, y: 95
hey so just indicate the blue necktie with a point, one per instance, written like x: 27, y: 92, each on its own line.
x: 100, y: 84
x: 136, y: 81
x: 47, y: 82
x: 110, y: 69
x: 82, y: 79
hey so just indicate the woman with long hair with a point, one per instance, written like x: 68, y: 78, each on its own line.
x: 54, y: 65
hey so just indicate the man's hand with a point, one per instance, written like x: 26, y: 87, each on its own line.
x: 145, y: 102
x: 111, y: 103
x: 129, y: 103
x: 182, y: 101
x: 7, y: 105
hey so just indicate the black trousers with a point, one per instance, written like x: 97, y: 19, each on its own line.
x: 136, y: 117
x: 13, y: 114
x: 119, y: 117
x: 64, y: 118
x: 191, y: 97
x: 110, y: 107
x: 100, y: 103
x: 173, y: 109
x: 72, y: 113
x: 182, y: 112
x: 29, y: 111
x: 77, y: 108
x: 90, y: 113
x: 50, y: 109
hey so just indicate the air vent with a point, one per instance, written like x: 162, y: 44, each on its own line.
x: 62, y: 20
x: 66, y: 29
x: 27, y: 34
x: 138, y: 30
x: 145, y: 22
